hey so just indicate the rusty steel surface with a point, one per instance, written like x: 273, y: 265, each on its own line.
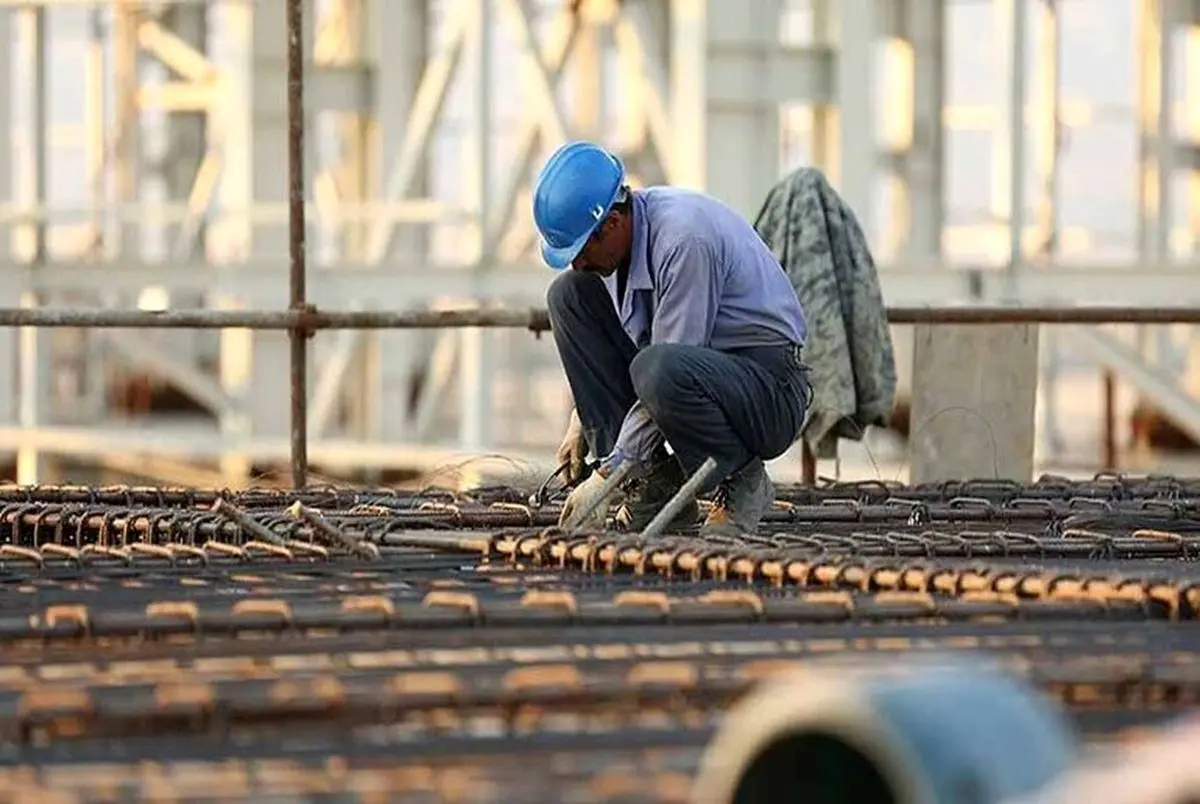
x: 172, y: 644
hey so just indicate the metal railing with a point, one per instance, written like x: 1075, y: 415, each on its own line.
x: 301, y: 319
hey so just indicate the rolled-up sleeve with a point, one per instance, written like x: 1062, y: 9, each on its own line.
x: 687, y: 293
x: 637, y: 440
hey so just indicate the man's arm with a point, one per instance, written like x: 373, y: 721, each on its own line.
x: 688, y: 292
x: 636, y: 442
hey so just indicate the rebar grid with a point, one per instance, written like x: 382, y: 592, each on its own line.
x: 301, y: 319
x: 237, y: 642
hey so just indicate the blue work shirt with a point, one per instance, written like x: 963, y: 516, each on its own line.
x: 699, y: 274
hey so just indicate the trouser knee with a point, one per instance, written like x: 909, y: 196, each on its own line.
x: 658, y: 378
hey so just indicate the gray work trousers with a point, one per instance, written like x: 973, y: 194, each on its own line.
x: 735, y: 406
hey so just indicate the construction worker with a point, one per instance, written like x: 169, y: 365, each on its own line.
x: 675, y: 322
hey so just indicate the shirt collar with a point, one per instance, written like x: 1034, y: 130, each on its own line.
x: 639, y: 256
x: 639, y: 252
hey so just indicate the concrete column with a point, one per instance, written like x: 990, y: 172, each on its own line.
x: 269, y: 185
x: 476, y: 355
x: 721, y: 56
x: 254, y: 366
x: 340, y: 39
x: 1157, y: 146
x: 823, y: 144
x: 629, y: 94
x: 974, y: 398
x: 857, y: 150
x: 8, y: 33
x: 914, y: 99
x: 399, y: 44
x: 587, y: 65
x: 974, y: 389
x: 127, y: 162
x: 187, y: 142
x: 922, y: 167
x: 231, y: 236
x: 750, y: 126
x: 34, y: 346
x: 187, y: 130
x: 8, y: 153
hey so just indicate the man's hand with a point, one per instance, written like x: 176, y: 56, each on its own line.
x: 574, y: 449
x: 581, y: 498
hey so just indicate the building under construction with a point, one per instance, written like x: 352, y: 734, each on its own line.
x: 149, y: 164
x: 204, y: 201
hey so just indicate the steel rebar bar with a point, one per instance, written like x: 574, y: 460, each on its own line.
x: 607, y: 490
x: 536, y: 320
x: 297, y: 274
x: 686, y: 494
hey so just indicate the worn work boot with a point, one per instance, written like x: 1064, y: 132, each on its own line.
x: 740, y: 502
x: 646, y: 496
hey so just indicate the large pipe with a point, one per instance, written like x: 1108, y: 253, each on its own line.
x: 1159, y: 768
x: 955, y: 732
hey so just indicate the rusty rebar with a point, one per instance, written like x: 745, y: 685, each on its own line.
x: 298, y: 335
x: 307, y: 319
x: 1002, y: 314
x: 320, y: 524
x: 246, y: 522
x: 607, y: 490
x: 686, y: 494
x: 535, y: 320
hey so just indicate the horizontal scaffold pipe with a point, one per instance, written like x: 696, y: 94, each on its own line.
x: 536, y: 320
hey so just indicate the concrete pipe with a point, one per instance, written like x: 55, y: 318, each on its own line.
x: 935, y: 734
x: 1159, y: 768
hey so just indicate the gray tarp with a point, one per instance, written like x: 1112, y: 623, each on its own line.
x: 820, y: 244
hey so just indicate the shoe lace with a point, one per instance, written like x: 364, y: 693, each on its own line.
x: 720, y: 498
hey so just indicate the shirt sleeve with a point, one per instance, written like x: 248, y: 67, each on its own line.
x: 687, y: 293
x: 637, y: 440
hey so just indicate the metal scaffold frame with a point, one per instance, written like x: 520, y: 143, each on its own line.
x: 689, y: 97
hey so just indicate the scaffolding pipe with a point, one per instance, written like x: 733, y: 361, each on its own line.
x: 298, y: 302
x: 310, y: 320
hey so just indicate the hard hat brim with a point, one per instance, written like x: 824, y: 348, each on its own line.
x: 559, y: 258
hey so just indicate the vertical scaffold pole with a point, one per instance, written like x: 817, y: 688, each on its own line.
x: 297, y: 229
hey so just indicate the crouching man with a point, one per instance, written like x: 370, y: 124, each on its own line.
x: 675, y: 322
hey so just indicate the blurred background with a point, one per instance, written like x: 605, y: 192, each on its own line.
x: 997, y: 151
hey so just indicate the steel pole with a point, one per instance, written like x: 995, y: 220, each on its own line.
x: 310, y: 320
x: 298, y: 335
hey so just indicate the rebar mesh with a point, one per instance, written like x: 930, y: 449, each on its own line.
x: 412, y: 645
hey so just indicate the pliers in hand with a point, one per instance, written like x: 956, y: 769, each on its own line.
x: 543, y: 495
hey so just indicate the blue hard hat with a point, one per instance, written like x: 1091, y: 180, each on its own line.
x: 573, y: 194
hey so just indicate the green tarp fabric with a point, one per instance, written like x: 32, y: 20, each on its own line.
x: 822, y: 248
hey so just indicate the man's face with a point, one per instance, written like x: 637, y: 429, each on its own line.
x: 607, y: 248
